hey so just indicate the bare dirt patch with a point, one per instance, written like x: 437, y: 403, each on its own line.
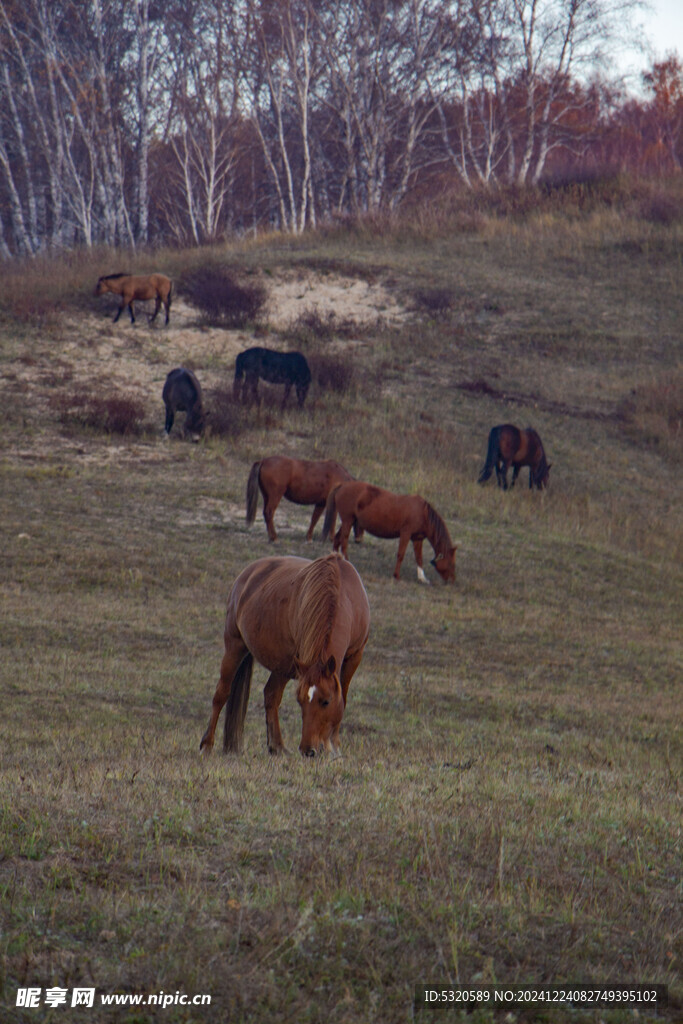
x: 90, y: 353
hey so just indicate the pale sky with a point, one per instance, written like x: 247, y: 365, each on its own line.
x: 662, y: 32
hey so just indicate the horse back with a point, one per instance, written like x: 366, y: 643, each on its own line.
x: 262, y: 609
x: 510, y: 442
x: 310, y: 482
x: 181, y: 389
x: 258, y: 610
x: 381, y: 512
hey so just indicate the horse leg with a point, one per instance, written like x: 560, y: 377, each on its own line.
x: 402, y: 547
x: 351, y: 663
x: 288, y: 388
x: 170, y: 416
x: 515, y: 474
x: 252, y: 382
x: 499, y: 472
x: 269, y: 505
x: 417, y: 548
x: 272, y: 698
x: 157, y: 307
x: 120, y: 311
x: 358, y: 532
x: 503, y: 478
x: 232, y: 659
x: 341, y: 539
x: 317, y: 512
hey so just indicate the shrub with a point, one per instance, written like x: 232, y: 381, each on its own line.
x: 312, y: 327
x: 226, y: 418
x: 110, y: 414
x: 222, y: 298
x: 435, y: 302
x: 332, y: 373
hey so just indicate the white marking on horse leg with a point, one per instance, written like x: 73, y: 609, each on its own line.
x: 421, y: 578
x: 311, y: 693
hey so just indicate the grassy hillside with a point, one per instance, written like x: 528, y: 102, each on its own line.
x: 508, y: 805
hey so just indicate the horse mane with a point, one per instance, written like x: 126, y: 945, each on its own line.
x: 110, y: 277
x: 439, y: 537
x: 541, y: 467
x: 316, y: 608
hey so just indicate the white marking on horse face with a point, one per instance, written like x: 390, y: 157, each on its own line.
x: 421, y: 575
x: 311, y: 693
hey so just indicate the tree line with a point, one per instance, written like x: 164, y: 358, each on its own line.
x: 129, y: 121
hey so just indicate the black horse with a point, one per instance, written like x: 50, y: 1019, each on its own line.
x: 288, y: 368
x: 182, y: 393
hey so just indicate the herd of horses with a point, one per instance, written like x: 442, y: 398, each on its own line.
x: 309, y: 619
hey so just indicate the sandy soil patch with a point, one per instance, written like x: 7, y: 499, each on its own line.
x: 88, y: 353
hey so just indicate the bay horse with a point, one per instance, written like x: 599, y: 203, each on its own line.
x: 288, y: 368
x: 301, y: 620
x: 182, y: 393
x: 510, y: 446
x: 132, y: 287
x: 384, y: 514
x: 299, y: 480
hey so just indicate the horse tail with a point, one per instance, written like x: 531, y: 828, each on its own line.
x: 491, y: 455
x: 252, y: 492
x: 330, y: 513
x: 236, y: 706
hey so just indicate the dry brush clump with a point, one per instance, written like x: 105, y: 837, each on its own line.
x: 108, y: 413
x: 313, y: 328
x: 332, y: 373
x: 222, y: 297
x: 225, y: 416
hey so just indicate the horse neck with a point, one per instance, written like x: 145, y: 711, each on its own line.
x: 316, y: 609
x: 437, y: 531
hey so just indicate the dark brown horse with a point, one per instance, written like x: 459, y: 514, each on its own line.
x: 182, y: 393
x: 299, y: 480
x: 131, y: 287
x: 383, y: 514
x: 510, y: 446
x: 301, y: 620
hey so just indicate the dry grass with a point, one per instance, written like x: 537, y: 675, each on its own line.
x: 507, y: 808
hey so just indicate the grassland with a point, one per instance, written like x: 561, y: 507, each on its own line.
x: 508, y: 805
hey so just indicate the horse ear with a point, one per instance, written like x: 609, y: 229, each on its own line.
x: 331, y: 666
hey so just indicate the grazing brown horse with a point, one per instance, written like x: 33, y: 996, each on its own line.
x: 299, y: 480
x: 131, y: 287
x: 510, y: 446
x: 301, y: 620
x: 383, y: 514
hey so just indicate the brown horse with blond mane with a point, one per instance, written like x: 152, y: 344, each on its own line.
x: 384, y: 514
x: 301, y: 620
x: 510, y: 446
x: 301, y: 481
x: 132, y: 287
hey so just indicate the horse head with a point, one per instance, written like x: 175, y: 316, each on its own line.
x: 322, y: 705
x: 444, y: 563
x: 542, y: 475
